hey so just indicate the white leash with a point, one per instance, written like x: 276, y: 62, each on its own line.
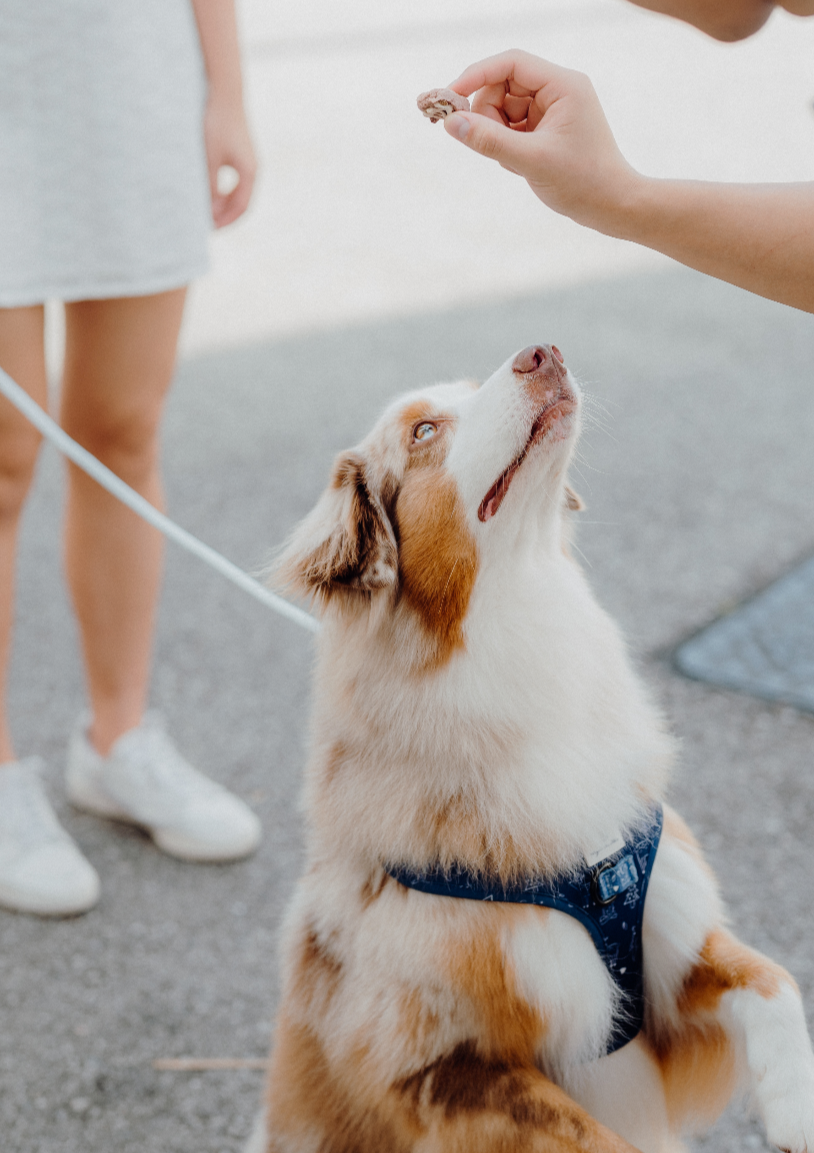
x: 123, y: 492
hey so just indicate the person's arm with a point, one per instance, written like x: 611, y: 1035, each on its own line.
x: 545, y: 123
x: 726, y: 19
x: 722, y: 19
x: 759, y: 236
x: 226, y: 132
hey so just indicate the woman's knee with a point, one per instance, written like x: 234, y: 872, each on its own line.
x: 19, y: 445
x: 126, y: 440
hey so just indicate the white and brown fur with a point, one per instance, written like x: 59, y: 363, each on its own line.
x: 474, y: 704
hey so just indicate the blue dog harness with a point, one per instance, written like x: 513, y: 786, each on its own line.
x: 607, y: 898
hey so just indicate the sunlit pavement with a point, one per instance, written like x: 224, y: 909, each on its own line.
x: 379, y: 255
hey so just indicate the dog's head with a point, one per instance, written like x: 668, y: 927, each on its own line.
x: 448, y: 483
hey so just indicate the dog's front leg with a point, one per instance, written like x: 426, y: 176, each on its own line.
x: 765, y: 1013
x: 720, y: 1015
x: 759, y: 1006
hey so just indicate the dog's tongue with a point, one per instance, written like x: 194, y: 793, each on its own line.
x: 490, y: 506
x: 494, y: 497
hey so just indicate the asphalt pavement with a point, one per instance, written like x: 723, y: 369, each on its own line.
x: 698, y: 474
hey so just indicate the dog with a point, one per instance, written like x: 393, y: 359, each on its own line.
x: 479, y: 737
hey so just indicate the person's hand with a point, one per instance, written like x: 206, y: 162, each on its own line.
x: 228, y: 144
x: 546, y: 124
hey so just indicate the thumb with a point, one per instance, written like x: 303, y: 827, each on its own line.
x: 490, y: 139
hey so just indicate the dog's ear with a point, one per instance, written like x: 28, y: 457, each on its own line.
x: 346, y: 544
x: 573, y: 502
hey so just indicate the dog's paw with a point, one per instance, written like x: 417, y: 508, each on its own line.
x: 789, y: 1117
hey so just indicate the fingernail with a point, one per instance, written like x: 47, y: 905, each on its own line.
x: 458, y: 125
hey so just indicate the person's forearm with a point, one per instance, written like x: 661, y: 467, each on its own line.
x: 722, y: 19
x: 726, y: 19
x: 217, y: 29
x: 759, y: 237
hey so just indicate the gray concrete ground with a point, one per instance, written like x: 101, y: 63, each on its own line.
x: 765, y: 647
x: 698, y: 475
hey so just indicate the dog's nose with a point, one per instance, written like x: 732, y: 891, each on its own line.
x: 536, y: 358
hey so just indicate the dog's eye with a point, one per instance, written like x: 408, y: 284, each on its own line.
x: 424, y: 430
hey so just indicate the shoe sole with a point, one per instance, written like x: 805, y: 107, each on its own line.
x: 173, y: 844
x: 42, y: 908
x: 90, y: 800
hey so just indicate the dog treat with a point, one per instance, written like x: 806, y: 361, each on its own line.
x: 438, y: 103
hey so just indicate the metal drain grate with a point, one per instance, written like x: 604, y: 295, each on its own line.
x: 765, y: 647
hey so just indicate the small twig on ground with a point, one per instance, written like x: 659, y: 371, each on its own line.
x: 201, y: 1064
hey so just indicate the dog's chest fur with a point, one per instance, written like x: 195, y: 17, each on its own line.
x: 525, y: 752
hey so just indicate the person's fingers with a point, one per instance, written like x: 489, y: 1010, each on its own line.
x: 492, y: 70
x: 212, y: 170
x: 494, y: 102
x: 516, y: 108
x: 495, y: 114
x: 493, y: 94
x: 227, y: 207
x: 520, y: 69
x: 489, y: 102
x: 213, y: 164
x: 535, y: 114
x: 515, y: 89
x: 230, y: 203
x: 224, y: 210
x: 490, y: 138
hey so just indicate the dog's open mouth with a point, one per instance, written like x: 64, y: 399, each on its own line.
x: 563, y: 405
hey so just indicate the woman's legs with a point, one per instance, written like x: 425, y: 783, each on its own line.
x: 119, y: 360
x: 118, y: 364
x: 22, y: 356
x: 41, y: 869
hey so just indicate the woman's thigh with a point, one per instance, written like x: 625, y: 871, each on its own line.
x: 119, y: 361
x: 22, y: 356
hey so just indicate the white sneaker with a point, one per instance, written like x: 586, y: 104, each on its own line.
x: 41, y: 869
x: 145, y: 781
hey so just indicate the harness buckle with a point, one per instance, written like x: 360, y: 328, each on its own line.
x: 613, y: 880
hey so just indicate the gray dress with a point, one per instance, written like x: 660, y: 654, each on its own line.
x: 103, y: 185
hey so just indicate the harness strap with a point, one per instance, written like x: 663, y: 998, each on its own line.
x: 607, y: 898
